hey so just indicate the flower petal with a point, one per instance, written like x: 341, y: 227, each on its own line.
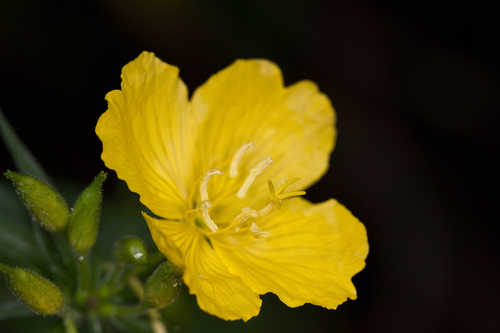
x: 304, y: 254
x: 217, y: 290
x: 247, y: 102
x: 145, y: 134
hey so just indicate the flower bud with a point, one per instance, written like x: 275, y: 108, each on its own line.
x: 41, y: 295
x: 84, y: 219
x: 163, y: 286
x: 44, y: 204
x: 131, y: 250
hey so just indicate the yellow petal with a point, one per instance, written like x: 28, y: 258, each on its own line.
x: 247, y: 102
x: 304, y: 253
x: 146, y: 134
x: 167, y: 235
x: 217, y: 290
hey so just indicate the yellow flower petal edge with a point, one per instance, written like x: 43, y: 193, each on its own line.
x: 318, y: 249
x: 146, y: 134
x: 224, y: 171
x: 218, y: 291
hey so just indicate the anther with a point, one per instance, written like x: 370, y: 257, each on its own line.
x: 267, y: 209
x: 252, y: 175
x: 233, y: 168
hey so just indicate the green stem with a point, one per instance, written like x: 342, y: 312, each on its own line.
x: 156, y: 324
x: 95, y: 323
x: 110, y: 310
x: 69, y: 325
x: 114, y: 284
x: 84, y: 280
x: 41, y: 244
x: 63, y: 248
x: 131, y: 311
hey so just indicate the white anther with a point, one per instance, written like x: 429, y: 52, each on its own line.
x: 266, y: 210
x: 254, y: 172
x: 249, y: 212
x: 233, y: 168
x: 204, y: 183
x: 206, y: 217
x: 245, y: 214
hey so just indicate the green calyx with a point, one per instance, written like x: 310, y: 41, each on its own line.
x: 84, y: 220
x: 43, y: 202
x: 163, y: 286
x: 41, y: 295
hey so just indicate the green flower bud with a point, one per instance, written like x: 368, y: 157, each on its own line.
x: 41, y: 295
x: 44, y: 204
x: 84, y: 219
x: 131, y: 250
x: 163, y: 286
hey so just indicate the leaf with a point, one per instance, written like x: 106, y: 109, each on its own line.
x: 14, y: 309
x: 23, y: 158
x: 16, y: 238
x: 26, y: 163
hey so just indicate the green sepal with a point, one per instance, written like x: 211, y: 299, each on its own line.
x: 163, y: 286
x: 43, y: 202
x: 84, y: 220
x: 38, y: 293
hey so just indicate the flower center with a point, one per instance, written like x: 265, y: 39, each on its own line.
x: 246, y: 213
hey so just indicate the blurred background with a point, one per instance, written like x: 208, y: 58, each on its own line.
x: 416, y: 89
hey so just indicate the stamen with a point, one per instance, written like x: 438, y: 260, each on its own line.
x: 267, y: 209
x: 252, y: 175
x: 205, y: 203
x: 206, y: 217
x: 204, y: 183
x: 233, y: 169
x: 255, y: 230
x: 245, y: 214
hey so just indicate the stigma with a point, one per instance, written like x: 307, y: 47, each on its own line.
x: 247, y: 219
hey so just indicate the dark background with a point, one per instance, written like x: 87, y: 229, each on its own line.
x: 416, y: 89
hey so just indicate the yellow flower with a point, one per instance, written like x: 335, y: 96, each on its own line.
x: 225, y: 170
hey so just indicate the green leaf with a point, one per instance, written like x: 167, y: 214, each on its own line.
x: 26, y: 163
x: 23, y: 158
x: 14, y: 309
x: 16, y: 238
